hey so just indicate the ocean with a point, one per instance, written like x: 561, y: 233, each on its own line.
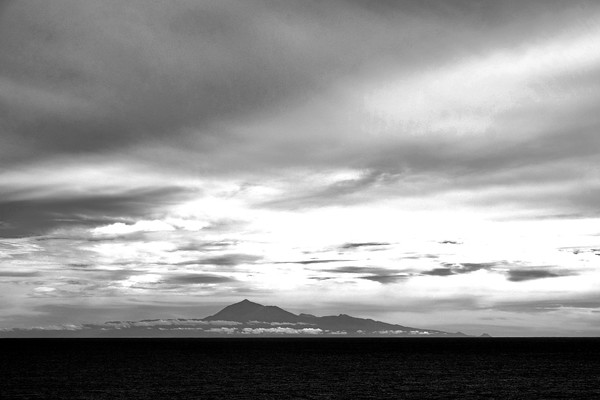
x: 301, y: 368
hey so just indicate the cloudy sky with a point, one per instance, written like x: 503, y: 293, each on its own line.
x: 428, y: 163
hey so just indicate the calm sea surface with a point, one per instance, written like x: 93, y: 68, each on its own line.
x: 462, y: 368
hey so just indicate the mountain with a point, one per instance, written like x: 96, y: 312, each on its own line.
x: 241, y: 319
x: 246, y: 310
x: 257, y: 314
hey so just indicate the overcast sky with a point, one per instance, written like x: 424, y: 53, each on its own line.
x: 428, y: 163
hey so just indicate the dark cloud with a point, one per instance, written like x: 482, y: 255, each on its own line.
x: 450, y: 242
x: 97, y: 83
x: 36, y: 216
x: 217, y: 245
x: 385, y: 275
x: 471, y: 267
x: 376, y: 274
x: 449, y: 269
x: 385, y: 279
x: 520, y: 275
x: 348, y: 246
x: 465, y: 268
x: 362, y: 270
x: 18, y: 274
x: 196, y: 279
x: 80, y: 266
x: 439, y: 272
x: 102, y: 276
x: 226, y: 260
x: 214, y: 57
x: 307, y: 262
x: 419, y: 256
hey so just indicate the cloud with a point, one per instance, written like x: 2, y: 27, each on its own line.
x: 206, y: 246
x: 386, y: 279
x: 375, y: 274
x: 520, y: 275
x: 363, y: 244
x: 115, y: 76
x: 110, y: 75
x: 129, y: 84
x: 225, y: 260
x: 18, y: 274
x: 465, y: 268
x: 485, y: 166
x: 65, y: 327
x: 439, y: 272
x: 419, y: 256
x: 281, y: 331
x: 169, y: 323
x: 210, y: 85
x: 347, y: 191
x: 361, y: 270
x: 196, y: 279
x: 307, y: 262
x: 449, y: 269
x: 589, y: 301
x: 36, y: 216
x: 120, y: 228
x: 154, y: 136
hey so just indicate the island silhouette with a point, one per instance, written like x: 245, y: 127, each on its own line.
x: 242, y: 319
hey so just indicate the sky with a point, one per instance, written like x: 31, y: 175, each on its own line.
x: 428, y: 163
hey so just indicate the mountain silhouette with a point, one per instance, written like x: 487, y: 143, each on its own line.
x: 242, y: 319
x: 246, y: 310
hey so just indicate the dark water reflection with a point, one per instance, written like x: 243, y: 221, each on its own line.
x: 300, y: 368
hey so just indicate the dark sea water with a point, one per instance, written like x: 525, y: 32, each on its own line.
x: 461, y: 368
